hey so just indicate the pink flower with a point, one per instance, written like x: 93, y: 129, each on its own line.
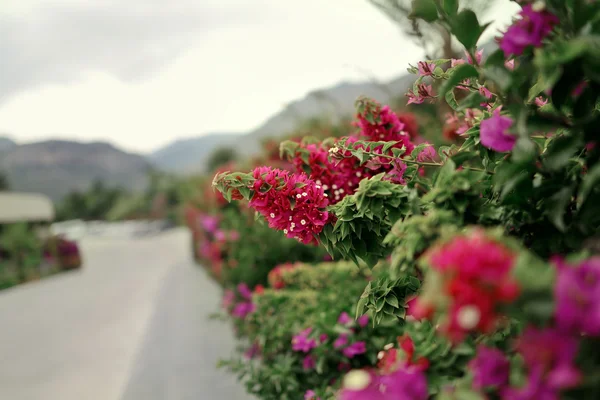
x: 323, y: 338
x: 242, y: 310
x: 308, y: 363
x: 530, y: 30
x: 510, y: 64
x: 341, y: 341
x: 425, y: 69
x: 478, y: 56
x: 355, y: 349
x: 244, y: 291
x: 490, y: 368
x: 363, y: 320
x: 549, y: 356
x: 474, y: 280
x: 404, y: 384
x: 344, y: 319
x: 424, y: 92
x: 290, y: 202
x: 428, y: 154
x: 454, y: 62
x: 540, y: 101
x: 485, y: 92
x: 396, y: 174
x: 577, y: 297
x: 301, y: 342
x: 311, y: 395
x: 253, y: 351
x: 494, y: 133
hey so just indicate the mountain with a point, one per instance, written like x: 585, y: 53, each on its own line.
x: 189, y: 155
x: 6, y: 143
x: 334, y: 102
x: 56, y: 167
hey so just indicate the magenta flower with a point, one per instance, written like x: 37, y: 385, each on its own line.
x: 490, y: 368
x: 550, y: 355
x: 428, y: 154
x: 577, y: 296
x: 344, y: 319
x: 355, y: 349
x: 290, y: 202
x: 209, y: 223
x: 425, y: 68
x: 242, y: 310
x: 244, y: 291
x: 403, y: 384
x: 485, y: 92
x: 494, y: 133
x: 363, y: 320
x: 406, y: 384
x: 424, y: 92
x: 301, y: 342
x: 323, y: 338
x: 311, y: 395
x: 308, y: 363
x: 341, y: 341
x: 361, y: 385
x: 396, y: 174
x: 530, y: 30
x: 253, y: 351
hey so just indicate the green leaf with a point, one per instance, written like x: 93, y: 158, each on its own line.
x: 392, y: 300
x: 451, y: 100
x: 424, y: 9
x: 560, y: 151
x: 450, y: 7
x: 589, y: 182
x: 556, y: 206
x: 461, y: 72
x: 466, y: 28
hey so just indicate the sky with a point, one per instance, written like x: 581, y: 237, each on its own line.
x: 142, y: 73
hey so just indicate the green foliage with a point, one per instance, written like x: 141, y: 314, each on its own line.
x: 365, y: 218
x: 221, y: 156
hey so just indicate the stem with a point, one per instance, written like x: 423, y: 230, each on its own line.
x: 425, y: 164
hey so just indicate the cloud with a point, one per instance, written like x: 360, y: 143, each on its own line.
x: 128, y: 39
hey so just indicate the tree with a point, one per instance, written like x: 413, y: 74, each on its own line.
x: 432, y: 37
x: 220, y: 157
x: 4, y: 184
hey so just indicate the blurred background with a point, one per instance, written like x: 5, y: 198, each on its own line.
x: 112, y: 115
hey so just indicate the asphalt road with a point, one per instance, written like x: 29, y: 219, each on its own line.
x: 131, y: 325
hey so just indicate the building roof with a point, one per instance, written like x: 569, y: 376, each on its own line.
x: 25, y: 207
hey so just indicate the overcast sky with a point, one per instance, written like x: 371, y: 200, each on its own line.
x: 140, y: 73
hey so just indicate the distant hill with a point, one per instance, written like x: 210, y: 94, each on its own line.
x: 185, y: 156
x: 190, y: 155
x: 334, y: 102
x: 6, y: 143
x: 56, y: 167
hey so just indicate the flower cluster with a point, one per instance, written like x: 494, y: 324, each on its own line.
x: 239, y: 303
x: 577, y: 296
x: 470, y: 278
x: 290, y: 202
x: 407, y: 383
x: 338, y: 178
x: 533, y: 26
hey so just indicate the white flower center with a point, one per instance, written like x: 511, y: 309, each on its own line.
x: 272, y: 215
x: 468, y: 317
x: 356, y: 380
x: 303, y: 222
x: 538, y: 6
